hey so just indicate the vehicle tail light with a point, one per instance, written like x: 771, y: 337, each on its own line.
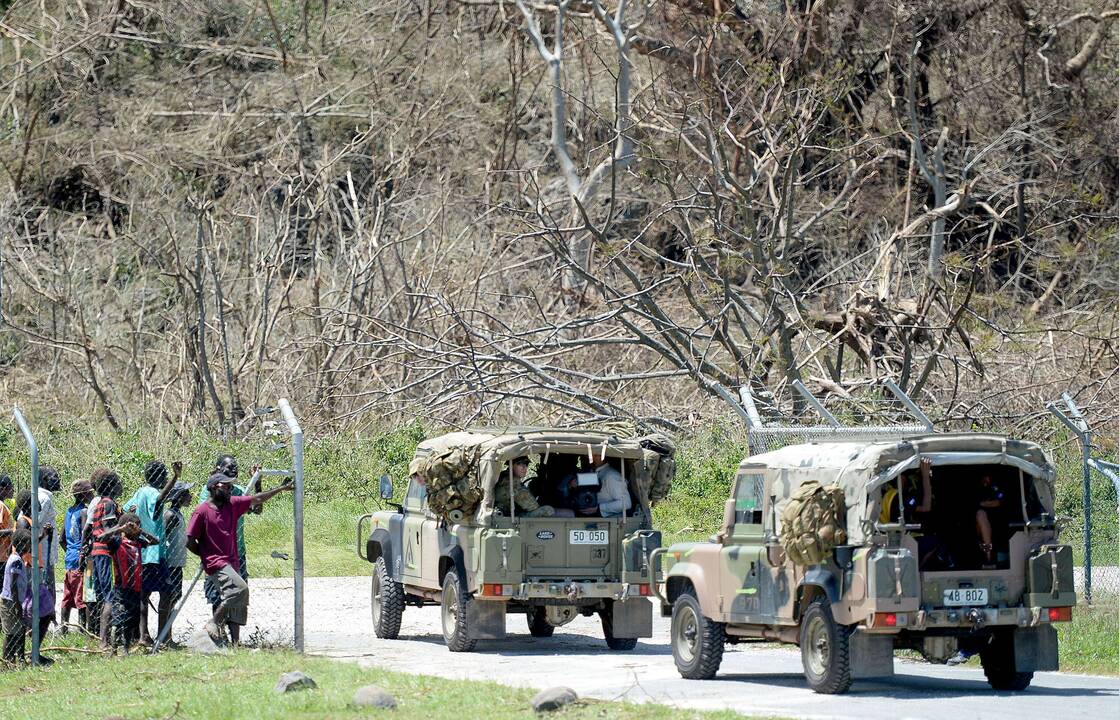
x: 494, y: 590
x: 1062, y: 614
x: 645, y: 590
x: 887, y: 620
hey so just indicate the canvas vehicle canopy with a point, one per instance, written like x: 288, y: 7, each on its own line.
x: 861, y: 469
x: 462, y: 469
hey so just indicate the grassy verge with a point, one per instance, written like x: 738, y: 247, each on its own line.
x: 240, y: 685
x: 1088, y: 644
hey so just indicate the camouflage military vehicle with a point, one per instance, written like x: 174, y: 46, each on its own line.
x: 484, y: 542
x: 851, y: 550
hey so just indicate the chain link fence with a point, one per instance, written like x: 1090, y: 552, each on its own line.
x: 270, y: 551
x: 1097, y: 535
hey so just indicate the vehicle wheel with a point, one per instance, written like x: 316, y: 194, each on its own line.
x: 697, y: 641
x: 825, y: 650
x: 454, y: 613
x: 387, y: 602
x: 998, y: 665
x: 538, y: 625
x: 614, y: 643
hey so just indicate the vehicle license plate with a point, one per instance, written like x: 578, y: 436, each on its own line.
x: 969, y: 597
x: 590, y: 537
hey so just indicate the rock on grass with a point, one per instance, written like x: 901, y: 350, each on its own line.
x: 553, y: 699
x: 201, y: 642
x: 294, y: 680
x: 373, y: 696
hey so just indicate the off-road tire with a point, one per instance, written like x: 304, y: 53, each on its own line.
x: 614, y: 643
x: 538, y: 625
x: 386, y: 601
x: 454, y: 612
x: 825, y: 650
x: 697, y: 641
x: 998, y: 665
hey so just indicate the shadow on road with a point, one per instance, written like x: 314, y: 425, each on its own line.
x: 514, y: 645
x: 904, y: 687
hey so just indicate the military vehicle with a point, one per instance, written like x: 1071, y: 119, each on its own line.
x: 468, y: 539
x: 852, y: 550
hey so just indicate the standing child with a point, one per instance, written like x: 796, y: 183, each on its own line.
x: 71, y: 540
x: 14, y: 591
x: 125, y: 542
x: 174, y: 554
x: 147, y: 503
x: 102, y: 516
x: 46, y: 588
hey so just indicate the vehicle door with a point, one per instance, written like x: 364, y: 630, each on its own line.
x: 415, y: 517
x: 781, y: 579
x: 746, y: 576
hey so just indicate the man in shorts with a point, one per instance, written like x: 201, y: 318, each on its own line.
x: 212, y: 536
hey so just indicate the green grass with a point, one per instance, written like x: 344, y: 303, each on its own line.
x: 239, y: 685
x: 1089, y: 643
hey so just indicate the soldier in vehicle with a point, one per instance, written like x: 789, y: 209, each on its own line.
x: 990, y: 509
x: 526, y: 502
x: 607, y: 496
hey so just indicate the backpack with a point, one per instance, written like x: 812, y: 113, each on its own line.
x: 813, y: 523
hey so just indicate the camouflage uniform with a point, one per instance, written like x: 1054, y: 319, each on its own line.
x: 526, y: 501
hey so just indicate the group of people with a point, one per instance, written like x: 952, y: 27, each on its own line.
x: 567, y: 485
x: 116, y: 555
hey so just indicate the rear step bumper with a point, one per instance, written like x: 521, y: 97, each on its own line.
x: 964, y: 618
x: 575, y: 591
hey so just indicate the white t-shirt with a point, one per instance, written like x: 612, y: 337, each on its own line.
x: 48, y: 551
x: 613, y: 498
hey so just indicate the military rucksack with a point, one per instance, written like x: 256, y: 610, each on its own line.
x: 659, y: 459
x: 452, y: 482
x: 813, y: 523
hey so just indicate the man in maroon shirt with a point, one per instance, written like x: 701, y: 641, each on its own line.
x: 212, y: 535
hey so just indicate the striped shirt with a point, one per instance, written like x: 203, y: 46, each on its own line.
x: 103, y: 518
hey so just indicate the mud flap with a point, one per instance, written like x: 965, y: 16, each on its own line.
x: 633, y: 618
x: 485, y: 620
x: 1035, y: 649
x: 872, y: 656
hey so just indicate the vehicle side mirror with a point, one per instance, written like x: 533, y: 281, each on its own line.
x: 386, y: 487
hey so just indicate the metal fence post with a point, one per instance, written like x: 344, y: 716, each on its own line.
x: 297, y: 469
x: 907, y: 401
x: 1086, y: 468
x: 1079, y: 427
x: 815, y: 403
x: 36, y: 573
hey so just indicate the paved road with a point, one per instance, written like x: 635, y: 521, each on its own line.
x: 762, y: 680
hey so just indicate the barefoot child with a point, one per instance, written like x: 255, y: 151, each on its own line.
x: 102, y: 516
x: 71, y: 541
x: 174, y: 553
x: 12, y: 595
x: 125, y: 542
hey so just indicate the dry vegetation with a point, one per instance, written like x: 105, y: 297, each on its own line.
x: 468, y: 210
